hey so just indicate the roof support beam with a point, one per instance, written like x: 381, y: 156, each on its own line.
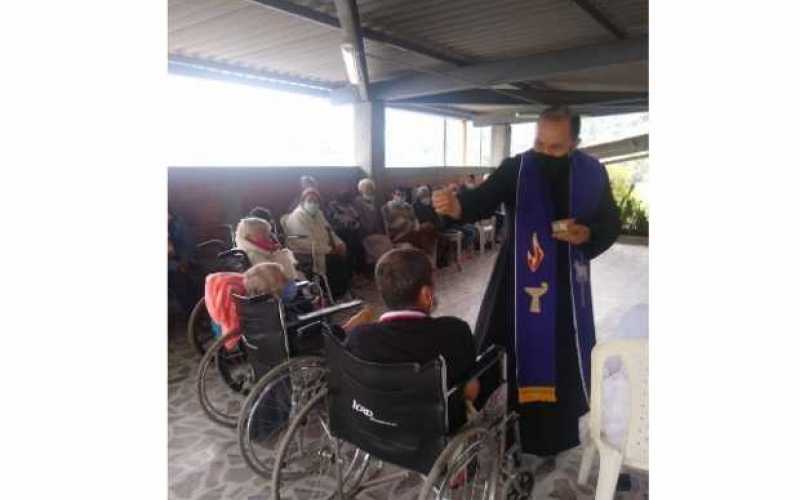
x: 318, y: 17
x: 435, y: 110
x: 591, y: 9
x: 351, y: 26
x: 529, y: 115
x: 481, y: 96
x: 627, y: 147
x: 188, y: 66
x: 535, y: 67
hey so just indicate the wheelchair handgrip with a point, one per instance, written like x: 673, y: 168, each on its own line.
x: 486, y: 360
x: 210, y: 242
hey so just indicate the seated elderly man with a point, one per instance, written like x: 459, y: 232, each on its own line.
x: 344, y: 219
x: 318, y: 248
x: 372, y: 232
x: 426, y: 215
x: 403, y: 226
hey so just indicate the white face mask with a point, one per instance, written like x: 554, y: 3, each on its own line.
x: 311, y: 207
x: 425, y: 201
x: 369, y: 196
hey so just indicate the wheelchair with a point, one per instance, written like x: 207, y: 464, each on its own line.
x: 271, y: 333
x: 398, y: 414
x: 199, y: 331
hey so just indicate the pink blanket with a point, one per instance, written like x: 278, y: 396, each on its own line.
x: 221, y: 306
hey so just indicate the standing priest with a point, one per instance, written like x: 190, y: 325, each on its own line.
x: 538, y: 304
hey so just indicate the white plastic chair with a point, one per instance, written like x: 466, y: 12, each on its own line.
x: 633, y: 354
x: 486, y: 232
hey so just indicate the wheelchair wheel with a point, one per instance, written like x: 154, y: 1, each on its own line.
x: 224, y: 379
x: 308, y: 458
x: 198, y: 331
x: 272, y: 404
x: 467, y: 468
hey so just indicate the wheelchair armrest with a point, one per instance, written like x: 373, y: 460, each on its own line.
x: 327, y: 311
x: 302, y: 284
x: 492, y: 356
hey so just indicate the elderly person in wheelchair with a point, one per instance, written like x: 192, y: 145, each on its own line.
x: 400, y: 390
x: 255, y: 237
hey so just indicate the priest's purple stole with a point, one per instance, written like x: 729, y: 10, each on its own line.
x: 536, y: 280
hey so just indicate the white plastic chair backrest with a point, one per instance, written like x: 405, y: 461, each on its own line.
x: 633, y: 354
x: 488, y: 223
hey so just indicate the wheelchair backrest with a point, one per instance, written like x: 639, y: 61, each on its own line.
x: 263, y: 329
x: 394, y: 412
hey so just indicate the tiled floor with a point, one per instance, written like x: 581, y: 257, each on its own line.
x: 204, y: 459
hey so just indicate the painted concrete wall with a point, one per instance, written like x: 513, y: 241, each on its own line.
x: 208, y: 196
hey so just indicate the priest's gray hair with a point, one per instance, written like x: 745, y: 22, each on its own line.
x: 561, y: 112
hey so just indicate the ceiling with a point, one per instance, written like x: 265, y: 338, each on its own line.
x: 491, y: 61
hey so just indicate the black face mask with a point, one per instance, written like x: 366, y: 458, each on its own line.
x: 552, y: 163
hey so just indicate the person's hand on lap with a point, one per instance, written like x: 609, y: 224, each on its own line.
x: 571, y: 232
x: 472, y: 389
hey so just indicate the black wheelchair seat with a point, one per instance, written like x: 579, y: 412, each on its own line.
x: 272, y: 333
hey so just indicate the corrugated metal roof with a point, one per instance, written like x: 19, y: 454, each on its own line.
x: 248, y: 35
x: 254, y: 37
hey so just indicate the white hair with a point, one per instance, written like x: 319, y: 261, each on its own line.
x: 265, y: 278
x: 251, y: 226
x: 364, y: 183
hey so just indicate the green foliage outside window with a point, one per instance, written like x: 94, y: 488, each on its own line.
x: 626, y: 181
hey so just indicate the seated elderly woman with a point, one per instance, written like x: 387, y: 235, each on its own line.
x: 318, y: 248
x: 255, y: 237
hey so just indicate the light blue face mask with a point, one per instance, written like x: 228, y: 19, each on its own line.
x: 311, y: 208
x: 289, y: 291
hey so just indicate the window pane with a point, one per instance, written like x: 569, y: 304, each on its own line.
x: 602, y: 129
x: 223, y: 124
x: 414, y: 139
x: 486, y: 146
x: 522, y: 135
x: 455, y: 142
x: 473, y: 146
